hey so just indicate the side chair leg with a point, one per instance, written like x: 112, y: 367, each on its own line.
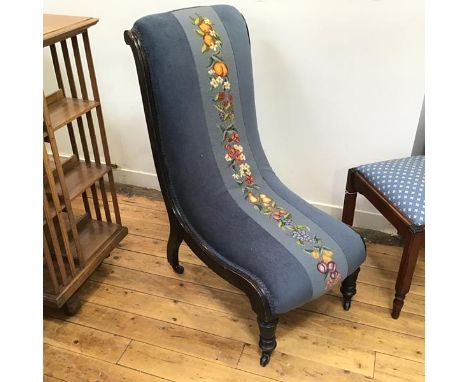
x: 349, y: 204
x: 173, y: 245
x: 267, y: 341
x: 406, y: 271
x: 348, y: 288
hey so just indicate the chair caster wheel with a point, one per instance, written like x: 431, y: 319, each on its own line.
x: 178, y: 269
x: 264, y: 359
x: 346, y: 304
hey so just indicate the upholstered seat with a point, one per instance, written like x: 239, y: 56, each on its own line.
x: 195, y: 72
x: 402, y: 182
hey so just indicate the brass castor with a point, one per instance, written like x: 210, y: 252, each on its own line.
x: 265, y: 358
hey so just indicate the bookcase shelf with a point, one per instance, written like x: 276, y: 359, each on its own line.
x: 79, y: 176
x: 67, y: 110
x: 74, y: 245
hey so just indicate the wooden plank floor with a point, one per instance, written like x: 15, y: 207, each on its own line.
x: 140, y: 321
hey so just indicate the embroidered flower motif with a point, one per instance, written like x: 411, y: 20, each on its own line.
x: 245, y: 169
x: 214, y: 83
x: 223, y: 102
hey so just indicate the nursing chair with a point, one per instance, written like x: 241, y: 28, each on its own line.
x: 222, y: 197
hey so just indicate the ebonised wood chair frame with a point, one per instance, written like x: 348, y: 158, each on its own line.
x: 413, y: 235
x: 181, y: 230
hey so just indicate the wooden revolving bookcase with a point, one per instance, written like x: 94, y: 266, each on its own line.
x: 81, y: 214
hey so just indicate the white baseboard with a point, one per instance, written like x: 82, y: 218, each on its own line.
x: 363, y: 219
x: 136, y: 178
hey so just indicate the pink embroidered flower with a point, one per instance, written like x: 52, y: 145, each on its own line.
x: 334, y: 274
x: 276, y: 215
x: 331, y: 266
x: 333, y: 279
x: 322, y: 267
x: 221, y: 95
x: 249, y: 179
x: 234, y: 137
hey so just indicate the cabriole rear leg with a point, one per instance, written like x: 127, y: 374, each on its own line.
x: 173, y: 245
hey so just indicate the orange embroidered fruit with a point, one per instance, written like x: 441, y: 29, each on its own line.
x: 208, y: 39
x: 252, y: 198
x: 220, y: 68
x: 205, y: 27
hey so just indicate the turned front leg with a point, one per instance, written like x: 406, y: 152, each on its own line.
x: 348, y: 288
x: 267, y: 341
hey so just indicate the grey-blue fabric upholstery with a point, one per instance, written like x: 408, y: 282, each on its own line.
x: 402, y: 182
x: 201, y: 181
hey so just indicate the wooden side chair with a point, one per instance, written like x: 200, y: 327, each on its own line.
x: 222, y: 197
x: 396, y: 188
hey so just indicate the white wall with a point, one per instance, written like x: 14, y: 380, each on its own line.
x: 338, y: 83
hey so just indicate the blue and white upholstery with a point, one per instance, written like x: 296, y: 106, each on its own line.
x: 200, y: 66
x: 402, y: 182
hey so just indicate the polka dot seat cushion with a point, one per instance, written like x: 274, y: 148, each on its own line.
x: 401, y: 181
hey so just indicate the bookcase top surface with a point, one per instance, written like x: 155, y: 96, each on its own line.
x: 59, y: 27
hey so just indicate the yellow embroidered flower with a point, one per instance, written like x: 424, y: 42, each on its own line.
x: 315, y: 254
x: 327, y: 255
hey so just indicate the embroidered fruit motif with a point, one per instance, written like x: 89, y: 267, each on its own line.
x: 223, y: 103
x: 266, y: 200
x: 252, y: 198
x: 208, y: 40
x: 205, y: 28
x: 221, y: 69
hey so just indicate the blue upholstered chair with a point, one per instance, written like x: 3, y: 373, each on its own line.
x: 222, y: 197
x: 397, y: 189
